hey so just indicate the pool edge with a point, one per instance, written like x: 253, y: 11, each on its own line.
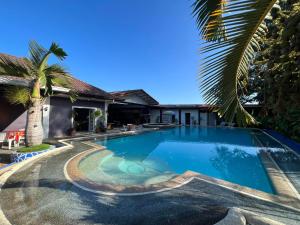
x: 184, y: 179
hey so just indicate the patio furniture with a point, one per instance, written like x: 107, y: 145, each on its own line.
x: 12, y: 137
x: 110, y: 126
x: 2, y: 138
x: 130, y: 127
x: 5, y: 138
x: 125, y: 128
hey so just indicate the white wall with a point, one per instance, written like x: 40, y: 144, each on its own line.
x: 154, y: 113
x: 203, y: 119
x: 194, y: 115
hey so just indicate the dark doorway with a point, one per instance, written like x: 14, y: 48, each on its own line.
x: 187, y: 119
x: 119, y: 114
x: 81, y: 119
x: 173, y: 119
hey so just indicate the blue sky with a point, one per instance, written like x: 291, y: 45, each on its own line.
x: 114, y: 44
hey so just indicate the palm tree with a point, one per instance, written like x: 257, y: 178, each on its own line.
x: 233, y: 31
x: 41, y: 77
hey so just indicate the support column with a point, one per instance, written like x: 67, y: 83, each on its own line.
x: 160, y: 116
x: 179, y: 114
x: 207, y: 120
x: 199, y: 117
x: 105, y: 113
x: 46, y: 117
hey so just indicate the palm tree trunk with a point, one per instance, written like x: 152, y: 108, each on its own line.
x: 34, y: 128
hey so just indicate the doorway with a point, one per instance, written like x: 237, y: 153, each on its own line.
x: 83, y: 119
x: 187, y: 118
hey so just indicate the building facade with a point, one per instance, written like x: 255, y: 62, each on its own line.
x: 147, y: 110
x: 60, y: 114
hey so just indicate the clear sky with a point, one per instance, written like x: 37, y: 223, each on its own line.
x: 114, y: 44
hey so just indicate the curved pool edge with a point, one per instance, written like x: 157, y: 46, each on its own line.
x: 281, y: 201
x: 179, y: 181
x: 75, y: 176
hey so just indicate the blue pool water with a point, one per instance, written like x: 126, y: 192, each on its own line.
x: 152, y: 157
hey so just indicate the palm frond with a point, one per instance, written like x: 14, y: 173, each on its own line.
x: 57, y: 69
x: 209, y: 15
x: 17, y: 95
x: 224, y: 72
x: 58, y: 51
x: 54, y: 75
x: 11, y: 66
x: 37, y: 53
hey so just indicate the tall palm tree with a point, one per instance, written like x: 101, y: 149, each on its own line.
x: 41, y: 77
x: 232, y: 31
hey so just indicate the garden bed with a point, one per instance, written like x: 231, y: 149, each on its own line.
x: 28, y: 152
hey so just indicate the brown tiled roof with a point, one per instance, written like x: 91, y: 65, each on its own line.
x: 87, y: 89
x: 10, y: 80
x: 79, y: 86
x: 121, y: 95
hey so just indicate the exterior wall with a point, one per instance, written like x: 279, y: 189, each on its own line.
x: 206, y: 118
x: 212, y: 119
x: 18, y: 123
x: 203, y: 118
x: 61, y: 114
x: 194, y: 116
x: 154, y: 114
x: 12, y: 117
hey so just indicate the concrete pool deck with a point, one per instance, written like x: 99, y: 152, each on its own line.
x: 39, y: 193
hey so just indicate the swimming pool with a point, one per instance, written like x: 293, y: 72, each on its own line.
x: 231, y: 154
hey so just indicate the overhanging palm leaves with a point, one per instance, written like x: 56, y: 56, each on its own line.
x: 233, y: 31
x: 36, y: 70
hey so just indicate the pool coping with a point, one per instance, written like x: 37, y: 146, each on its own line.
x: 281, y: 183
x: 279, y: 180
x: 177, y: 182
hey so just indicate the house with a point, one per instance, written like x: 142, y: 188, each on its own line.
x: 137, y: 106
x: 131, y: 106
x: 184, y: 114
x: 59, y: 113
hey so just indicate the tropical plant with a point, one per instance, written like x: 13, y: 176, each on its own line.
x: 98, y: 114
x: 274, y: 75
x: 41, y: 77
x: 232, y: 31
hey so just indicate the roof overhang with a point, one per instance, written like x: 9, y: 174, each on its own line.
x: 122, y: 95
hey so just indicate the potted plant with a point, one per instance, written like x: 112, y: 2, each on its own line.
x: 100, y: 126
